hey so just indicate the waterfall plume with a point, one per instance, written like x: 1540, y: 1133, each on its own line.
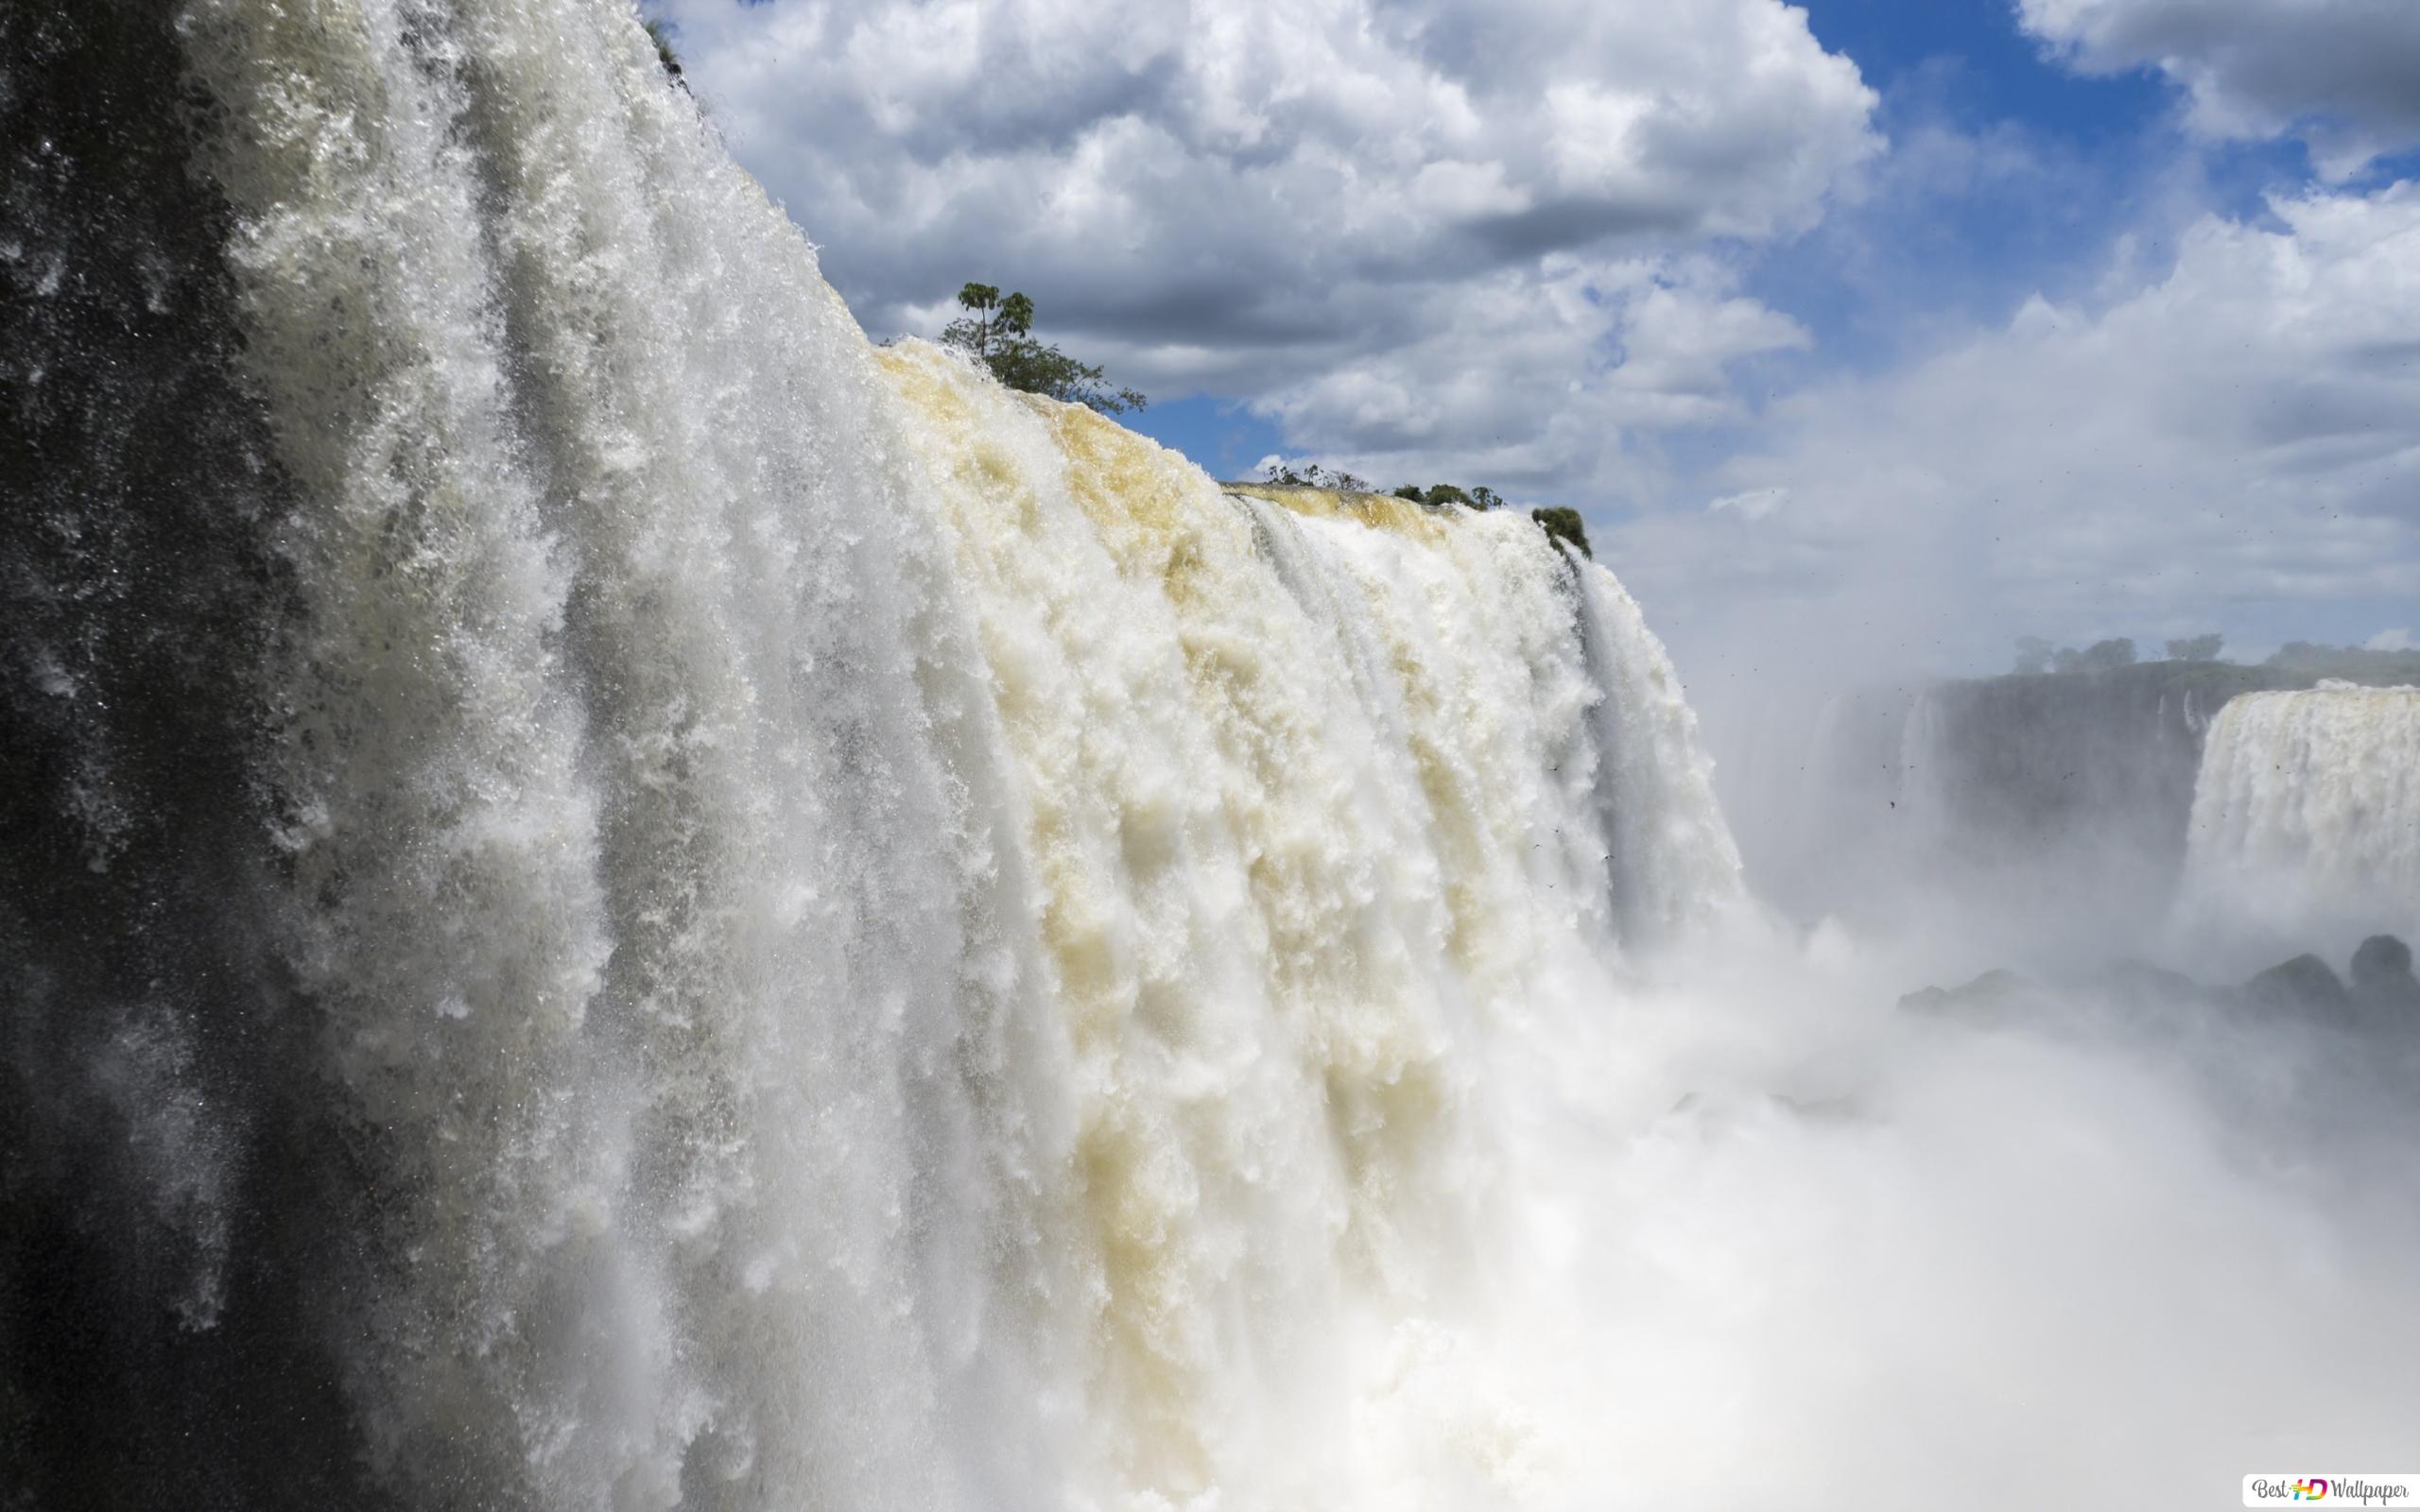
x: 618, y: 899
x: 2306, y: 819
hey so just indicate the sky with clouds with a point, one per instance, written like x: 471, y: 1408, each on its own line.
x: 1871, y: 330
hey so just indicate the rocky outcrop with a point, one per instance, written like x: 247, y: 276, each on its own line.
x: 2381, y: 992
x: 2304, y: 984
x: 1989, y: 994
x: 2383, y: 985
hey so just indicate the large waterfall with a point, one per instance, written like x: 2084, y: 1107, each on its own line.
x: 2031, y: 816
x: 2306, y: 818
x: 614, y: 898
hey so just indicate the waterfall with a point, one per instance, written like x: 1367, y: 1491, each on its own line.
x: 615, y: 898
x: 1924, y: 786
x: 2307, y: 818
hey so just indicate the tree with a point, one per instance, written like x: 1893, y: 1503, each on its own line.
x: 2103, y: 656
x: 659, y: 34
x: 1564, y: 524
x: 2198, y: 648
x: 1437, y: 495
x: 2032, y: 655
x: 998, y: 332
x: 990, y: 323
x: 1312, y: 475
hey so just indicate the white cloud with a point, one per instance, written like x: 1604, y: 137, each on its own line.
x: 1551, y: 381
x: 2233, y: 444
x: 1412, y: 230
x: 1755, y: 504
x: 1501, y: 241
x: 2390, y: 640
x: 2342, y: 73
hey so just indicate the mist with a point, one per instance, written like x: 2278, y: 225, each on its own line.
x: 1814, y: 1246
x: 2047, y: 1152
x: 613, y: 897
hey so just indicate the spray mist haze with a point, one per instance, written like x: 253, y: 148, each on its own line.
x: 614, y: 898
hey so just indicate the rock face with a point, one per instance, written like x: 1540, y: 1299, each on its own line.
x: 2382, y: 979
x: 2064, y: 796
x: 1992, y: 992
x: 2382, y: 992
x: 2304, y: 984
x: 2012, y: 767
x: 2141, y: 982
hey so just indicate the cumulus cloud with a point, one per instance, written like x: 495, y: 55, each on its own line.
x: 1554, y: 380
x: 2234, y: 443
x: 2342, y: 73
x: 1410, y: 230
x: 1523, y: 243
x: 1755, y: 504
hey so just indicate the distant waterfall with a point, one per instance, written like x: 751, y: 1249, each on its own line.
x: 611, y: 898
x: 1924, y: 797
x: 2307, y: 817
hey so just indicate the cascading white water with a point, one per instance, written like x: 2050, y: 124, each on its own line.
x: 2307, y: 818
x: 881, y: 942
x: 611, y: 898
x: 1922, y: 792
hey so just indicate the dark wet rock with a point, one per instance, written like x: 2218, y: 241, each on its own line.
x: 2382, y: 979
x: 2303, y: 985
x: 1822, y: 1109
x: 2142, y: 981
x: 2382, y: 993
x: 1990, y: 992
x: 2382, y: 962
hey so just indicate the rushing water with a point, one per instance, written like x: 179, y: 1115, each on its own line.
x: 626, y: 900
x: 2306, y: 818
x: 613, y: 899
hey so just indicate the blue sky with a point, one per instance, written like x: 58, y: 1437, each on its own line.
x: 1963, y: 65
x: 1878, y: 279
x: 1888, y: 329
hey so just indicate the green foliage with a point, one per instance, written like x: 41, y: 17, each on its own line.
x: 659, y: 34
x: 2351, y: 663
x: 2196, y: 648
x: 1437, y: 495
x: 1564, y: 524
x: 1312, y: 475
x: 998, y: 332
x: 2103, y: 656
x: 990, y: 323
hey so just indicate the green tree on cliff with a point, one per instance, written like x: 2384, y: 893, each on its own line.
x: 1564, y: 524
x: 661, y: 34
x: 998, y: 332
x: 1312, y: 475
x: 1438, y: 495
x: 2107, y: 655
